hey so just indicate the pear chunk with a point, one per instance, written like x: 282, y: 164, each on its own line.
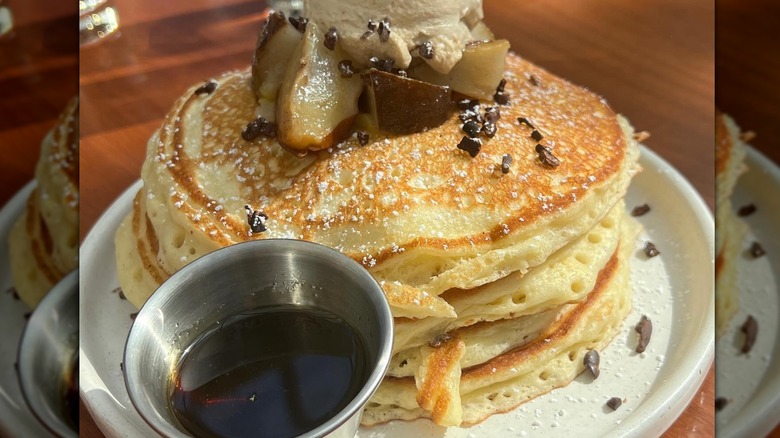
x: 476, y: 74
x: 316, y: 105
x: 401, y: 105
x: 275, y: 44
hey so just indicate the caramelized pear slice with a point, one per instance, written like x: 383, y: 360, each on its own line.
x: 401, y: 105
x: 481, y: 32
x: 316, y: 105
x: 276, y: 42
x: 476, y: 74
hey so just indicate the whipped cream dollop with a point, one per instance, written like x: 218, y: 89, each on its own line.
x: 445, y: 24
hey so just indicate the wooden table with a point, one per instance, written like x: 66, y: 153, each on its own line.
x: 652, y: 60
x: 747, y: 64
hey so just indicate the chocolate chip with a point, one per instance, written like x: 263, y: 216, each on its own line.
x: 721, y: 403
x: 470, y: 145
x: 400, y: 72
x: 470, y: 115
x: 640, y: 210
x: 382, y: 64
x: 345, y: 67
x: 501, y: 98
x: 256, y: 219
x: 756, y: 250
x: 746, y: 210
x: 750, y: 329
x: 533, y: 80
x: 492, y: 114
x: 206, y: 88
x: 331, y: 38
x: 501, y: 85
x: 471, y: 128
x: 591, y: 362
x: 384, y: 30
x: 362, y: 137
x: 439, y: 340
x: 536, y: 135
x: 525, y: 121
x: 614, y: 403
x: 259, y: 126
x: 651, y: 250
x: 467, y: 104
x: 489, y: 129
x: 645, y: 330
x: 426, y: 50
x: 371, y: 29
x: 133, y: 315
x: 546, y: 156
x: 122, y: 295
x: 299, y: 23
x: 506, y: 161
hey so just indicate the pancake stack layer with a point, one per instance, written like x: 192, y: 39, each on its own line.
x: 44, y: 240
x: 729, y: 229
x: 499, y: 282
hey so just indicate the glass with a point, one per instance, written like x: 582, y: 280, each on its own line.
x: 97, y: 20
x: 6, y: 19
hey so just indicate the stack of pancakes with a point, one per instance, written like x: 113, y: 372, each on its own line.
x: 499, y: 282
x: 729, y: 229
x: 44, y: 240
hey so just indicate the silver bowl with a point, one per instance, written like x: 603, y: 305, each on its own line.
x: 47, y: 353
x: 225, y: 283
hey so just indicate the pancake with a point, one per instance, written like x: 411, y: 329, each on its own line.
x: 553, y: 359
x: 43, y: 243
x: 729, y: 229
x: 565, y: 277
x: 417, y: 212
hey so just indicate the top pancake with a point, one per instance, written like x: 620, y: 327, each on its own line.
x: 413, y: 209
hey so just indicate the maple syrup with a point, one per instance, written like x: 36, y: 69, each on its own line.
x: 277, y: 372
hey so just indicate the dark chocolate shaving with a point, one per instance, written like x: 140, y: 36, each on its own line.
x: 645, y: 330
x: 501, y: 85
x: 122, y: 295
x: 371, y: 29
x: 546, y: 156
x: 27, y: 315
x: 533, y: 80
x: 640, y: 210
x: 133, y: 315
x: 721, y: 403
x: 470, y: 145
x: 501, y: 98
x: 591, y: 362
x: 299, y: 23
x: 345, y: 68
x: 756, y: 250
x: 471, y: 128
x: 614, y: 403
x: 362, y: 137
x: 467, y: 104
x: 206, y: 88
x: 746, y: 210
x: 439, y: 340
x: 651, y: 250
x: 750, y: 329
x: 384, y: 30
x: 382, y: 64
x: 12, y: 290
x: 506, y: 161
x: 536, y: 135
x: 122, y: 366
x: 489, y: 129
x: 256, y: 128
x: 525, y: 121
x: 472, y: 114
x: 426, y: 50
x: 331, y: 38
x: 492, y: 114
x: 256, y: 219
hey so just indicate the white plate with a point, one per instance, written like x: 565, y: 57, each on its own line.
x: 675, y: 290
x: 16, y: 419
x: 752, y: 381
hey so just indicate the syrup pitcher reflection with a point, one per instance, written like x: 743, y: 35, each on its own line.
x: 98, y: 19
